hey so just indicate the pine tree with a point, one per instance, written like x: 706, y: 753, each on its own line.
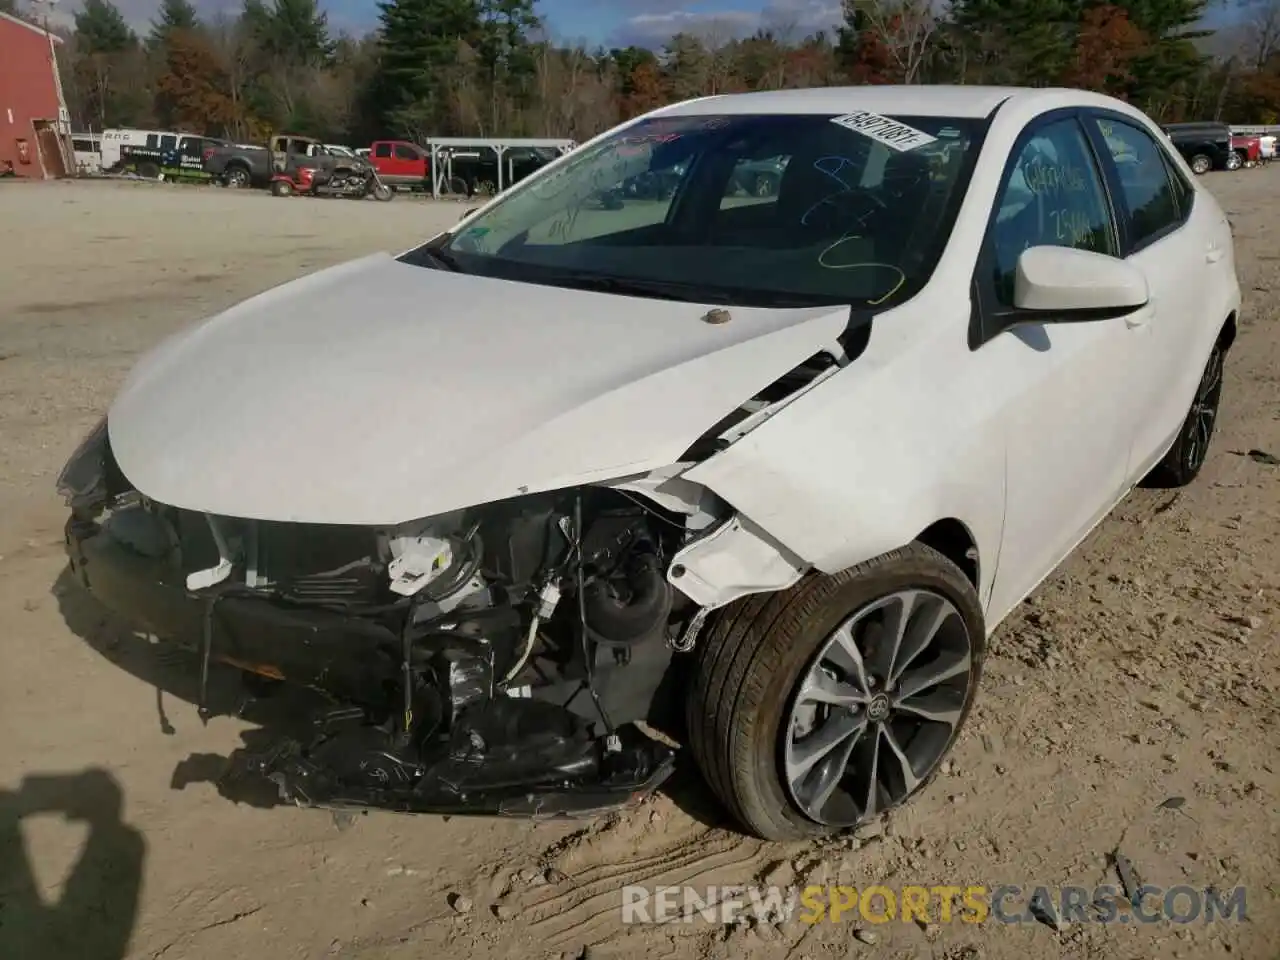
x: 101, y: 29
x: 174, y: 15
x: 1164, y: 75
x: 1030, y: 42
x: 293, y: 33
x: 504, y: 49
x: 420, y: 41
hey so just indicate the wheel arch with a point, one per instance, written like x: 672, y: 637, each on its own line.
x: 954, y: 540
x: 1227, y: 335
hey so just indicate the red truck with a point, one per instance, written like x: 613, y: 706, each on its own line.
x: 401, y: 164
x: 1245, y: 152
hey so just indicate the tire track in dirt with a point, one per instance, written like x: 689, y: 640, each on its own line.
x: 589, y: 911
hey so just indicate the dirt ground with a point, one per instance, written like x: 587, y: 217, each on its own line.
x: 1143, y: 671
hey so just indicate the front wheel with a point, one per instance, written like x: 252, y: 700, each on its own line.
x: 382, y: 192
x: 823, y: 706
x: 1201, y: 163
x: 281, y: 188
x: 1234, y: 161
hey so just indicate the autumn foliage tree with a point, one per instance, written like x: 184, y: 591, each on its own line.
x: 646, y: 90
x: 192, y: 91
x: 888, y: 41
x: 1106, y: 45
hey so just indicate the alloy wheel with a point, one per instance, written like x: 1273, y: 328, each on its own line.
x: 1204, y: 413
x: 878, y: 707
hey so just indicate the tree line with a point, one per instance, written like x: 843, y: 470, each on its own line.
x: 488, y: 67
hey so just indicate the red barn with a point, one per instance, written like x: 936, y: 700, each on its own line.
x: 34, y: 126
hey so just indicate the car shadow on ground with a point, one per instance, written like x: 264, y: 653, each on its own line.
x: 276, y: 711
x: 94, y: 917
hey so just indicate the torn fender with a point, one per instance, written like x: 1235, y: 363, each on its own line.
x: 837, y: 480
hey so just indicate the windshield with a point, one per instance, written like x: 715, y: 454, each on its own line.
x: 765, y: 210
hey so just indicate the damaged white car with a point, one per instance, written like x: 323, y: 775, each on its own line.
x: 781, y: 459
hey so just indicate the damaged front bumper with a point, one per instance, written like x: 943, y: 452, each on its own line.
x: 546, y: 773
x: 507, y: 755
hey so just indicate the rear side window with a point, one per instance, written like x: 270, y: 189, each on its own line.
x: 405, y: 152
x: 1145, y: 186
x: 382, y: 150
x: 153, y: 139
x: 1053, y: 197
x: 168, y: 142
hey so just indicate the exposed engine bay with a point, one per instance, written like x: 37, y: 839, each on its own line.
x: 491, y: 660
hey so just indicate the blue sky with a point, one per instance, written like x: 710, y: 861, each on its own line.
x: 651, y: 22
x: 607, y: 22
x: 612, y: 22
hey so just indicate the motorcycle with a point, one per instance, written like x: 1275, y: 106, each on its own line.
x: 309, y: 181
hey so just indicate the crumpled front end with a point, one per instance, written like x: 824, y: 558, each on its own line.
x: 494, y: 659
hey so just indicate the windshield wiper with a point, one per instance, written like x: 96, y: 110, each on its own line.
x: 442, y: 257
x: 684, y: 292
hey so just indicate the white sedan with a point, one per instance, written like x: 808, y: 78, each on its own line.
x: 781, y: 460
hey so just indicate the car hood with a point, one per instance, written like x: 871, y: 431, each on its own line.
x: 378, y: 392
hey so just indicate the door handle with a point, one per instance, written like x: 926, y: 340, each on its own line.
x: 1140, y: 318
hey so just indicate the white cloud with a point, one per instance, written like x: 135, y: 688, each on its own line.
x: 796, y: 18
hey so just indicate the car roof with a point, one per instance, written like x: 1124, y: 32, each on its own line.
x: 921, y: 101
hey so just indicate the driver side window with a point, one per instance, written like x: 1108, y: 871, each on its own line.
x: 1053, y: 197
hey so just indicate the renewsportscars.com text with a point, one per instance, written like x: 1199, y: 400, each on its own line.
x: 971, y: 904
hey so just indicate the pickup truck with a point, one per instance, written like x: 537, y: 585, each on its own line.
x: 401, y: 164
x: 251, y: 166
x: 183, y: 159
x: 1205, y: 146
x: 406, y: 165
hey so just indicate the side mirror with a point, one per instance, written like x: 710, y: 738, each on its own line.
x: 1075, y: 285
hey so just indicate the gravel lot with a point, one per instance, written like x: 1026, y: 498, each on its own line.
x: 1144, y: 670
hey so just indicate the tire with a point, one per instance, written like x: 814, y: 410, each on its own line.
x: 281, y: 188
x: 382, y: 192
x: 1234, y: 161
x: 1201, y: 163
x: 149, y: 170
x: 236, y: 177
x: 1182, y: 464
x: 749, y: 668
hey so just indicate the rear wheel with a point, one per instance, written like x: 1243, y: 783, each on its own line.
x: 149, y: 170
x: 823, y: 706
x: 1201, y: 163
x: 1235, y: 161
x: 1182, y: 463
x: 237, y: 177
x: 281, y: 188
